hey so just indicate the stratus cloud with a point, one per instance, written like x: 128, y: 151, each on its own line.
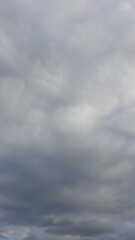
x: 67, y: 119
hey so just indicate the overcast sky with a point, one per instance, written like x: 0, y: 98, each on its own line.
x: 67, y: 119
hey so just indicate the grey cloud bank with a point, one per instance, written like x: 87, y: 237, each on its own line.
x: 67, y: 113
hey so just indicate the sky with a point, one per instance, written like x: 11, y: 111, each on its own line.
x: 67, y: 119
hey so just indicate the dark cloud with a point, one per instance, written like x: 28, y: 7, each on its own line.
x: 84, y: 229
x: 2, y: 237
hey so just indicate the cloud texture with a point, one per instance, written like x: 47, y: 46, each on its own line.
x: 67, y: 119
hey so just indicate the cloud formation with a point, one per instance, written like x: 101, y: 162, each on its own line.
x: 67, y: 104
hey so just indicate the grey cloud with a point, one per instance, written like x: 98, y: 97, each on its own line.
x: 67, y: 119
x: 2, y: 237
x: 37, y: 189
x: 88, y: 228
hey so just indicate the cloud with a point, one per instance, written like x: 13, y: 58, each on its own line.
x: 67, y: 119
x: 88, y: 228
x: 2, y: 237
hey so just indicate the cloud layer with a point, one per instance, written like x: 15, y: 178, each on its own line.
x: 67, y: 134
